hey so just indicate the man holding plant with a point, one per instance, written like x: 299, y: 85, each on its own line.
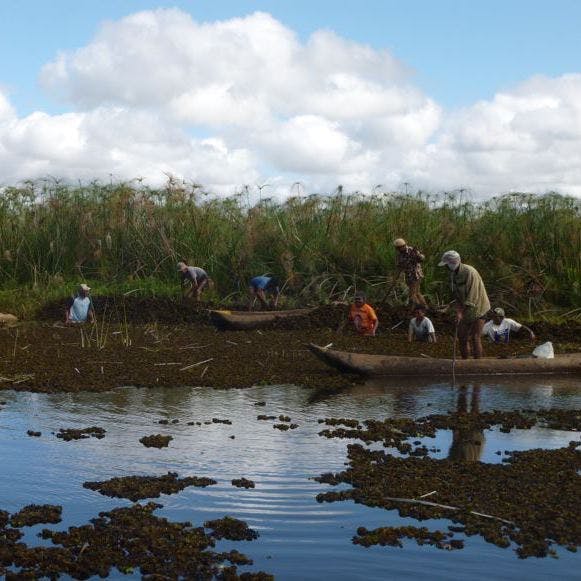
x: 408, y: 260
x: 471, y: 300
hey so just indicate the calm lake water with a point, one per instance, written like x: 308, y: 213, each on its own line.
x: 299, y: 538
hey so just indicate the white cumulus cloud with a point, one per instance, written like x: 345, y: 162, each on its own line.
x: 244, y: 100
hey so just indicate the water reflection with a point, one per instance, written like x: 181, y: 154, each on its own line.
x: 467, y: 444
x: 300, y: 539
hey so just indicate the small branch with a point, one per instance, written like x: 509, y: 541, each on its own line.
x: 445, y: 507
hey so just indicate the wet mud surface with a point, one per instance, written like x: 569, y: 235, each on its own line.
x: 42, y: 357
x: 126, y: 539
x: 530, y: 501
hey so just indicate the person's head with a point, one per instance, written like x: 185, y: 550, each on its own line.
x: 359, y: 299
x: 399, y: 244
x: 419, y: 311
x: 84, y: 290
x: 273, y: 284
x: 497, y: 315
x: 182, y: 266
x: 451, y: 259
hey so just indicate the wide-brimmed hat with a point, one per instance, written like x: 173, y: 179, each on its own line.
x: 449, y: 257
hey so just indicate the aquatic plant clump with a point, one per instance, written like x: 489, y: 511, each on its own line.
x: 231, y: 529
x: 531, y: 501
x: 34, y: 514
x: 392, y: 536
x: 127, y: 540
x: 139, y: 487
x: 68, y: 434
x: 243, y: 483
x: 156, y: 441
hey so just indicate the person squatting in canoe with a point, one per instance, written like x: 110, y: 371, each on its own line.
x: 420, y: 327
x: 408, y: 260
x: 500, y: 328
x: 472, y: 303
x: 80, y: 308
x: 363, y: 316
x: 261, y: 286
x: 194, y: 279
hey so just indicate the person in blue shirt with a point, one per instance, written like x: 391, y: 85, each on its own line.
x: 80, y: 309
x: 260, y: 286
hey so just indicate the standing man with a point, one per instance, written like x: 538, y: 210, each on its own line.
x: 80, y: 309
x: 196, y: 276
x: 408, y: 260
x: 472, y: 303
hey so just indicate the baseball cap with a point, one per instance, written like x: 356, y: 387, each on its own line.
x: 399, y: 242
x: 182, y: 265
x: 499, y: 311
x: 449, y: 257
x: 85, y: 287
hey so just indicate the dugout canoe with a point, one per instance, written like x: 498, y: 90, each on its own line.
x: 244, y: 320
x: 396, y: 365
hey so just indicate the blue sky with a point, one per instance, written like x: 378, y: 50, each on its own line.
x: 457, y: 53
x: 461, y: 51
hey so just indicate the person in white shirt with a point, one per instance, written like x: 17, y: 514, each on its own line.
x: 80, y: 309
x: 500, y: 328
x: 195, y: 278
x: 420, y: 327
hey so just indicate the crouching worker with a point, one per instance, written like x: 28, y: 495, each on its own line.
x: 421, y: 328
x: 195, y: 279
x: 500, y: 328
x: 80, y: 309
x: 260, y: 286
x: 363, y: 316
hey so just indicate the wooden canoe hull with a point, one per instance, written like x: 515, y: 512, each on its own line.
x: 372, y: 365
x: 247, y: 320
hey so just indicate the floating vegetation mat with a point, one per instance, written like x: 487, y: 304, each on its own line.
x: 243, y: 483
x: 107, y: 355
x: 139, y: 487
x: 68, y: 434
x: 530, y: 501
x: 126, y: 540
x: 156, y: 441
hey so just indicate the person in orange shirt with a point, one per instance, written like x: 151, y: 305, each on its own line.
x: 363, y: 316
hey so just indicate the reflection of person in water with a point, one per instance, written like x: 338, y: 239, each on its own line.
x: 467, y: 444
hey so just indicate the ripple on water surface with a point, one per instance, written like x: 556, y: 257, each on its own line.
x: 300, y: 538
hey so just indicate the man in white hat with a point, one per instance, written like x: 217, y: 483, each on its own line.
x: 197, y: 277
x: 500, y: 328
x: 472, y: 303
x: 408, y: 260
x: 80, y: 309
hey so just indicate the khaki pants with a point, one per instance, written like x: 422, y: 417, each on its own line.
x: 416, y: 297
x: 469, y: 337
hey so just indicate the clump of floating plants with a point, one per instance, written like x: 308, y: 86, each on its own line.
x: 243, y: 483
x: 530, y: 501
x: 138, y: 487
x: 231, y: 529
x: 34, y: 514
x: 156, y: 441
x: 126, y: 540
x: 68, y: 434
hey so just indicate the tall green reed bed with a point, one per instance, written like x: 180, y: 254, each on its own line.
x: 128, y: 237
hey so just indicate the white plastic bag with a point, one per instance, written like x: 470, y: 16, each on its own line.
x: 544, y: 351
